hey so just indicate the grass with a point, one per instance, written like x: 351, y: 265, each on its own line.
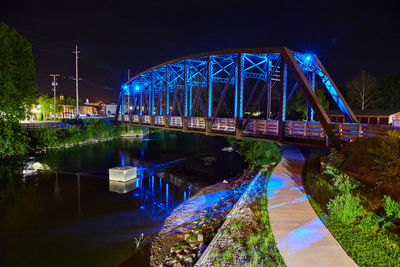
x: 227, y: 255
x: 262, y: 250
x: 364, y: 222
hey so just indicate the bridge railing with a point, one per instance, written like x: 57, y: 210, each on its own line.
x: 36, y: 125
x: 175, y: 121
x: 268, y: 127
x: 159, y: 120
x: 298, y: 129
x: 224, y: 124
x: 304, y: 129
x: 197, y: 122
x: 351, y: 131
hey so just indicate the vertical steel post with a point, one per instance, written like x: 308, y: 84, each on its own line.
x: 269, y: 92
x: 235, y: 104
x: 310, y: 111
x: 190, y: 91
x: 141, y: 99
x: 149, y: 99
x: 239, y: 94
x: 161, y: 93
x: 185, y: 78
x: 166, y: 91
x: 282, y: 106
x: 152, y: 94
x: 209, y: 86
x: 240, y: 81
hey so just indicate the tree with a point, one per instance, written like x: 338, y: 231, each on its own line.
x: 299, y: 105
x: 390, y: 95
x: 362, y: 91
x: 17, y: 88
x: 46, y: 105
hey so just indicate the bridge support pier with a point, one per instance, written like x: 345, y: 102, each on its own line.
x: 152, y: 120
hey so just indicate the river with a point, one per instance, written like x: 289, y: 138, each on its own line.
x: 71, y: 215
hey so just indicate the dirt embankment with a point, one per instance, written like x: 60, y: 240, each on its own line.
x: 184, y: 217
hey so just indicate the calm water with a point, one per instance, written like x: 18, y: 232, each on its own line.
x: 70, y: 215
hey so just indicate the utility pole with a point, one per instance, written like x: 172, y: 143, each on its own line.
x: 76, y: 79
x: 54, y: 83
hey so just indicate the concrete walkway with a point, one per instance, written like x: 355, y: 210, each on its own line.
x: 302, y: 238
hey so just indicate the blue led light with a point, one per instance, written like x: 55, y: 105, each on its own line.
x: 125, y: 87
x: 137, y: 88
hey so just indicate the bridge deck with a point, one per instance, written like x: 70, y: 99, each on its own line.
x: 295, y: 132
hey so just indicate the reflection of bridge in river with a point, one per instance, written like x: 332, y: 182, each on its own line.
x: 158, y: 194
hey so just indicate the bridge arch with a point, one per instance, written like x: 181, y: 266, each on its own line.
x: 207, y: 92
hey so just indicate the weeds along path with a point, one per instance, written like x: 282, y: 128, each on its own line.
x: 301, y: 236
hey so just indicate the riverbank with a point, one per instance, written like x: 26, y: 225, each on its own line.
x: 191, y: 226
x: 79, y: 132
x: 194, y: 223
x: 364, y: 220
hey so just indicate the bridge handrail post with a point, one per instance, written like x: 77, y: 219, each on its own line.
x: 238, y: 127
x: 208, y: 122
x: 185, y: 123
x: 305, y: 129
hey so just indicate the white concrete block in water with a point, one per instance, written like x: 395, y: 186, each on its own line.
x: 122, y: 173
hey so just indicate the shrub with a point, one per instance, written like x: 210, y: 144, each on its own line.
x: 258, y: 153
x: 75, y: 135
x: 345, y: 208
x: 45, y: 137
x: 392, y: 209
x: 362, y: 150
x: 13, y: 139
x: 99, y: 129
x: 387, y: 156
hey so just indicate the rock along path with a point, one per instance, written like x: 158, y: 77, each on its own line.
x: 301, y: 236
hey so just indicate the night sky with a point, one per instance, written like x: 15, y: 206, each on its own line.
x: 114, y: 36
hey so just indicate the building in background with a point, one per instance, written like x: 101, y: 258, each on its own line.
x: 369, y: 116
x: 109, y: 110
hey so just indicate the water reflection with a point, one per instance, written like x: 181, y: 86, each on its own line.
x: 157, y: 194
x: 70, y: 212
x: 123, y: 187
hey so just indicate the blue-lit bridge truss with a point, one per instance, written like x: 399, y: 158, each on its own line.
x: 220, y: 92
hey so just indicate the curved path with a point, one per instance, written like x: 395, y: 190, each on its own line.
x: 302, y: 238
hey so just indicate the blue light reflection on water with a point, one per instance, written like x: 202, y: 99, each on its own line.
x: 157, y: 199
x: 122, y: 159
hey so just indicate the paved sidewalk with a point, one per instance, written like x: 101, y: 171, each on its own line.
x: 302, y: 238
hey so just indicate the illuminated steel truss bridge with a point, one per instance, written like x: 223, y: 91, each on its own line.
x: 225, y: 92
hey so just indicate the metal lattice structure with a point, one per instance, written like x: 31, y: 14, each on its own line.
x: 219, y: 92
